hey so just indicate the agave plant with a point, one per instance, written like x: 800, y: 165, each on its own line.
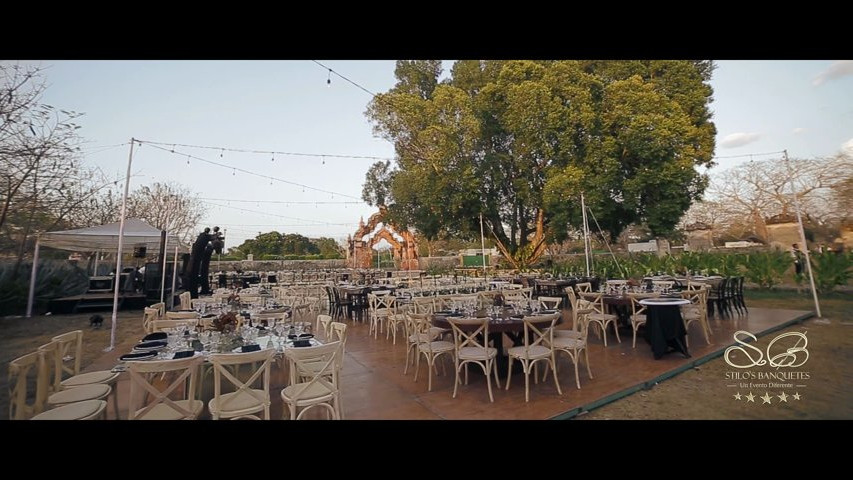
x: 54, y: 279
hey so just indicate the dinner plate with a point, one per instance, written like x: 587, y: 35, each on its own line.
x: 136, y: 357
x: 149, y: 346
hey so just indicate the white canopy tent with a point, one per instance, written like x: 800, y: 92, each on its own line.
x: 137, y: 234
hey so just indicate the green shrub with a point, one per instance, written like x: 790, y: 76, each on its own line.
x: 831, y: 269
x: 765, y: 268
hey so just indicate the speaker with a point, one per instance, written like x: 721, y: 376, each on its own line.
x: 140, y: 252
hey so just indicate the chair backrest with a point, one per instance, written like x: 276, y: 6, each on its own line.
x: 320, y: 364
x: 22, y: 372
x: 269, y: 318
x: 697, y: 297
x: 423, y: 304
x: 616, y: 283
x: 186, y: 301
x: 421, y: 324
x: 160, y: 307
x: 638, y: 308
x: 160, y: 325
x: 539, y: 331
x: 551, y: 303
x: 186, y: 374
x: 386, y: 301
x: 471, y: 338
x: 338, y: 333
x: 584, y: 287
x: 663, y: 283
x: 596, y: 302
x: 181, y: 315
x: 221, y: 361
x: 70, y: 348
x: 150, y: 314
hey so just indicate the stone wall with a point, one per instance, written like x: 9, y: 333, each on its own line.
x: 783, y: 235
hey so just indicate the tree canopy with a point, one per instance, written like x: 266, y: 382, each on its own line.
x: 518, y: 141
x: 275, y: 244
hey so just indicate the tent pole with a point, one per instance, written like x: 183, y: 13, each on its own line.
x: 163, y: 268
x: 120, y: 246
x: 95, y: 273
x: 174, y: 279
x: 33, y: 280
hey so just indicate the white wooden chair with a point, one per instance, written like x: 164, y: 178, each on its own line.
x: 23, y: 371
x: 70, y: 347
x: 160, y: 307
x: 538, y: 347
x: 469, y: 349
x: 321, y: 389
x: 584, y: 287
x: 573, y: 346
x: 428, y: 348
x: 162, y: 407
x: 638, y: 313
x: 597, y: 316
x: 696, y: 311
x: 577, y: 312
x: 381, y: 308
x: 324, y: 322
x: 246, y: 400
x: 52, y: 368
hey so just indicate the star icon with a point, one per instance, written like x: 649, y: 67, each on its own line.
x: 783, y: 397
x: 737, y: 396
x: 796, y: 396
x: 765, y: 397
x: 750, y: 397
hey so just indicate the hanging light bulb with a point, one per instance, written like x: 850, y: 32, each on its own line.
x: 329, y: 79
x: 234, y: 172
x: 222, y: 153
x: 273, y: 157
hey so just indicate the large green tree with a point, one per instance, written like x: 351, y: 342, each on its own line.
x: 518, y: 141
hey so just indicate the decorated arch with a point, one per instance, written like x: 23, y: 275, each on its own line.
x: 360, y: 246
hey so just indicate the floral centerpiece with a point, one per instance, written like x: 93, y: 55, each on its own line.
x: 225, y: 323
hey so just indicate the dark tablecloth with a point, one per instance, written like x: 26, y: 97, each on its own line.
x: 665, y: 330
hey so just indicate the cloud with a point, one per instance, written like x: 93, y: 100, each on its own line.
x: 798, y: 130
x: 847, y: 147
x: 837, y: 70
x: 739, y: 139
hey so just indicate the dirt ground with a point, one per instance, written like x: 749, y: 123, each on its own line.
x: 696, y: 394
x: 701, y: 393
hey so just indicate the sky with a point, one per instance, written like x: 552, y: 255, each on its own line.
x: 805, y: 107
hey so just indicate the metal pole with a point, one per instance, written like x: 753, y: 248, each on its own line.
x: 483, y: 245
x: 120, y: 246
x: 803, y: 237
x: 97, y: 255
x: 163, y: 268
x: 174, y: 279
x: 33, y: 280
x: 585, y: 234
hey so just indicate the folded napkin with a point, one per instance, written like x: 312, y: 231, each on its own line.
x: 250, y: 348
x: 155, y: 336
x: 137, y: 356
x: 306, y: 335
x: 153, y: 344
x: 183, y: 354
x: 302, y: 343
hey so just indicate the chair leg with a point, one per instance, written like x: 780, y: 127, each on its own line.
x: 576, y: 359
x: 509, y: 374
x: 586, y: 356
x: 556, y: 380
x: 489, y: 385
x: 429, y: 377
x: 456, y: 380
x: 616, y: 330
x: 526, y: 381
x: 494, y: 367
x: 634, y: 343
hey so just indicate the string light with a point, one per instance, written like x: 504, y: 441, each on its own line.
x: 265, y: 152
x: 248, y: 172
x: 329, y: 79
